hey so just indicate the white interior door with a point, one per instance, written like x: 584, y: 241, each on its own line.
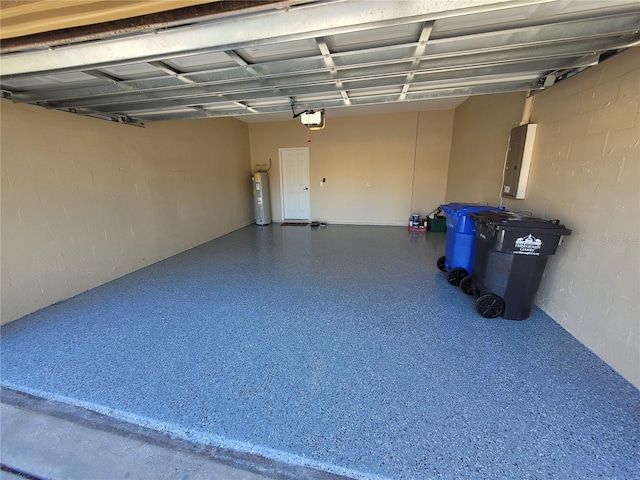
x: 294, y: 181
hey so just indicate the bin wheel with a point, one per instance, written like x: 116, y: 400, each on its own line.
x: 440, y: 264
x: 465, y: 285
x: 455, y: 275
x: 490, y: 305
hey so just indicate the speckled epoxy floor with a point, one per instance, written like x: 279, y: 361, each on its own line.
x: 341, y: 348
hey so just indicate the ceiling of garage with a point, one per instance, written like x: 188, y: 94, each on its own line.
x: 348, y: 57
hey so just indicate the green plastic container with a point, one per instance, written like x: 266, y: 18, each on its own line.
x: 437, y: 224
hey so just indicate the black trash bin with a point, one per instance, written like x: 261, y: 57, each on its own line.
x: 510, y: 257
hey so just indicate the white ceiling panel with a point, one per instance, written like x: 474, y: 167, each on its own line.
x: 132, y: 71
x: 279, y: 51
x: 51, y: 81
x: 195, y: 63
x: 379, y: 37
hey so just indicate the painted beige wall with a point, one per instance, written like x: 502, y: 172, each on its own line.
x: 85, y: 201
x: 585, y: 172
x: 378, y: 169
x: 480, y: 136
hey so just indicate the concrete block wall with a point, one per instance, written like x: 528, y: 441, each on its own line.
x: 586, y: 172
x: 85, y: 201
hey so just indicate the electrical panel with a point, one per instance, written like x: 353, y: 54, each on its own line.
x: 518, y: 162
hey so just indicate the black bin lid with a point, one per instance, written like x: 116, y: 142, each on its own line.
x: 510, y: 220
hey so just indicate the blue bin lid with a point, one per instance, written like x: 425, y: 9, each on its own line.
x: 459, y: 209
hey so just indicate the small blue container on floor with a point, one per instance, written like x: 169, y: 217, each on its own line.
x: 461, y: 239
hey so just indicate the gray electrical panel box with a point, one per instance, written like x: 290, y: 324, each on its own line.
x: 518, y: 163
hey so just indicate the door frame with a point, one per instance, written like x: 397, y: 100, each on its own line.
x: 280, y: 150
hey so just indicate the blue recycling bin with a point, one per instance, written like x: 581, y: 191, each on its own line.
x: 461, y: 239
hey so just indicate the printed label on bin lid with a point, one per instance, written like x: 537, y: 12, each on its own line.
x: 528, y: 245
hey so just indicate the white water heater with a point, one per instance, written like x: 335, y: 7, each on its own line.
x: 261, y: 201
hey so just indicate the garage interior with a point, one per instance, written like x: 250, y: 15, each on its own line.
x: 129, y: 137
